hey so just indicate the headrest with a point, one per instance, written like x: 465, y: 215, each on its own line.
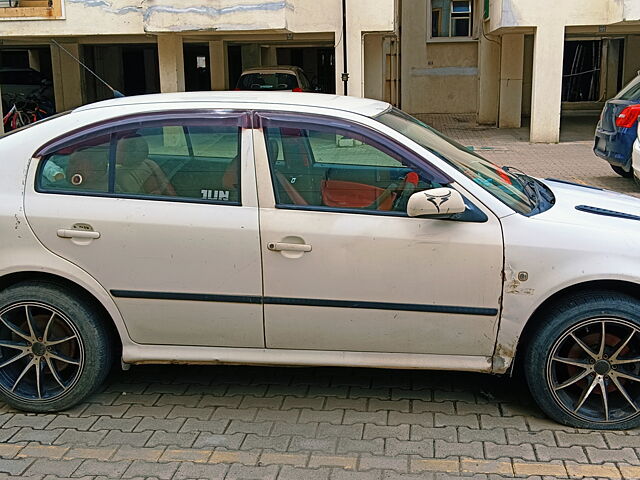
x: 131, y: 151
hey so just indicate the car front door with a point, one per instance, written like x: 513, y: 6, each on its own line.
x: 345, y: 269
x: 162, y: 211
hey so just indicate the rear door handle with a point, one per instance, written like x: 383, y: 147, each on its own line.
x: 69, y: 233
x: 290, y: 247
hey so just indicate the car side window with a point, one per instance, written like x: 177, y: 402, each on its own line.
x: 80, y: 167
x: 330, y: 167
x: 177, y: 160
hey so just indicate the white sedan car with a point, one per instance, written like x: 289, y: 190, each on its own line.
x: 305, y: 229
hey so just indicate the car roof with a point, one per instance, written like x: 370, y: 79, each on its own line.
x: 271, y: 68
x: 362, y: 106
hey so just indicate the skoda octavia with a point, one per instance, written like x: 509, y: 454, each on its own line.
x: 305, y: 229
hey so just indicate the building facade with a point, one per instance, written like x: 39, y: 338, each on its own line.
x: 503, y: 60
x: 176, y: 45
x: 509, y: 59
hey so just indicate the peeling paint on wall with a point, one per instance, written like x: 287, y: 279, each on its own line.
x: 217, y: 12
x: 197, y: 10
x: 107, y: 6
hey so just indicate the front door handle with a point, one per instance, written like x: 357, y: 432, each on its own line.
x: 290, y: 247
x: 71, y: 233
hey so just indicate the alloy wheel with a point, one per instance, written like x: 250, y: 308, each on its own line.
x: 41, y: 352
x: 593, y: 370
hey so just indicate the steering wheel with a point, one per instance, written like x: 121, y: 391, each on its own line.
x: 409, y: 186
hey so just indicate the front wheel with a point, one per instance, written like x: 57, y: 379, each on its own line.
x: 583, y: 363
x: 54, y: 347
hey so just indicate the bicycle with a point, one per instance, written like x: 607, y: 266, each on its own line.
x: 26, y: 110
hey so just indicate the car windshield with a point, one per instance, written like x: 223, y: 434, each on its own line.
x: 631, y: 91
x: 268, y: 81
x: 497, y: 181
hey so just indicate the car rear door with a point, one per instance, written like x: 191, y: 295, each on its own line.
x: 161, y: 209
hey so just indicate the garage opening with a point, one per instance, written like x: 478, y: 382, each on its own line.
x: 131, y: 69
x: 581, y: 71
x: 25, y: 71
x: 318, y: 62
x: 197, y: 69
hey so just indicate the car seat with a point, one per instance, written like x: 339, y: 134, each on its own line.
x: 298, y: 169
x: 136, y: 172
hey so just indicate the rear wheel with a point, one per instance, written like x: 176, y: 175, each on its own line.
x: 621, y: 171
x: 583, y: 364
x: 54, y: 347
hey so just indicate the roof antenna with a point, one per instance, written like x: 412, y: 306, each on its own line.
x: 116, y: 93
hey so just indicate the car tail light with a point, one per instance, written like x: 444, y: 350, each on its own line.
x: 236, y: 89
x: 297, y: 89
x: 628, y: 116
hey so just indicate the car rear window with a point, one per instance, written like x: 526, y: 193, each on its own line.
x: 631, y: 91
x: 267, y: 81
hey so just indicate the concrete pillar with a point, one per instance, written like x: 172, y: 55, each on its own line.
x: 631, y: 58
x: 218, y: 65
x: 67, y: 76
x: 355, y: 64
x: 511, y: 74
x: 546, y: 89
x: 34, y: 59
x: 374, y: 66
x: 269, y: 55
x: 609, y: 75
x: 527, y: 74
x: 251, y: 56
x: 339, y: 62
x: 488, y: 79
x: 171, y: 62
x: 355, y: 57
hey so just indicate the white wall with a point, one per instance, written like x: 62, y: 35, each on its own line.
x: 631, y: 10
x: 530, y: 13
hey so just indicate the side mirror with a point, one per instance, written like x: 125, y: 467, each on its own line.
x: 437, y: 202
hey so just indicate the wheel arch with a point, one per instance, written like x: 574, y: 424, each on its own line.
x: 619, y: 286
x: 81, y: 292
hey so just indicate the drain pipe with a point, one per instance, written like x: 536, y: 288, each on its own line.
x: 345, y: 74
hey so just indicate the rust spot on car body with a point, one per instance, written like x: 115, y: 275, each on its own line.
x: 503, y: 357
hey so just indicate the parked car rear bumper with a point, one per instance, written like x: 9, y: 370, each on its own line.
x: 615, y: 147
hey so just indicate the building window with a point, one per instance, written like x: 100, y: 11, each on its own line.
x: 451, y: 18
x: 21, y: 9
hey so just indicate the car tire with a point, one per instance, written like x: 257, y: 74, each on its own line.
x: 568, y: 382
x: 55, y: 349
x: 621, y: 171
